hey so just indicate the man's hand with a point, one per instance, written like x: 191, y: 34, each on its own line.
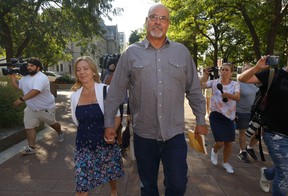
x: 110, y: 135
x: 200, y: 129
x: 261, y: 63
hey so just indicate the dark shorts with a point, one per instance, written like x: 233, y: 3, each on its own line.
x: 223, y: 128
x: 243, y: 120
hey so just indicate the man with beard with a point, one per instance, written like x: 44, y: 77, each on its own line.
x: 158, y: 73
x: 40, y: 103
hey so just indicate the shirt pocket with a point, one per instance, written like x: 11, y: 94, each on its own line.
x: 177, y: 68
x: 141, y: 64
x: 142, y: 69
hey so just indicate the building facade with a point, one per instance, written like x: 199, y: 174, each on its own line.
x: 110, y: 42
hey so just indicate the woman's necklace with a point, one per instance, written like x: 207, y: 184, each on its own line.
x: 89, y: 96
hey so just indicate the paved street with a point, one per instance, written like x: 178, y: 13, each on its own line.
x: 51, y: 170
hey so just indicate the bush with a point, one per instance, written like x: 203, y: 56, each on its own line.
x: 10, y: 116
x: 64, y: 80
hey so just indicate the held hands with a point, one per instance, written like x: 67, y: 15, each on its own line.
x: 110, y: 135
x: 200, y: 129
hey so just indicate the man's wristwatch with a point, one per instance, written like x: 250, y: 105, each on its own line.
x: 21, y: 99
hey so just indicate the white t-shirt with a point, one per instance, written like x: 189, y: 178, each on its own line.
x: 228, y: 109
x: 40, y: 82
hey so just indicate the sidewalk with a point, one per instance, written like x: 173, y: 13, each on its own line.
x: 51, y: 170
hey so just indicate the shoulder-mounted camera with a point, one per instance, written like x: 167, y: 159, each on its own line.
x: 16, y: 65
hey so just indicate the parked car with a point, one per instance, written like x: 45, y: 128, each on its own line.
x: 52, y: 76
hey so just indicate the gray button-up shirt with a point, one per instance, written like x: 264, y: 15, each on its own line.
x: 157, y: 80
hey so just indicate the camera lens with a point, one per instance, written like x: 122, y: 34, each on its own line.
x: 253, y: 127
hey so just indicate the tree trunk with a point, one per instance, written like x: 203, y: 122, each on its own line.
x: 256, y: 42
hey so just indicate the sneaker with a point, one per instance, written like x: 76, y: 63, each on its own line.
x: 251, y: 153
x: 28, y: 150
x: 264, y: 183
x: 214, y: 157
x: 61, y: 137
x: 243, y: 157
x: 228, y: 168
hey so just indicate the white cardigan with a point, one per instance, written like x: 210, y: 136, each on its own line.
x: 74, y: 99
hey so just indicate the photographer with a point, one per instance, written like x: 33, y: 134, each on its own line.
x: 275, y: 124
x: 208, y: 91
x: 39, y: 100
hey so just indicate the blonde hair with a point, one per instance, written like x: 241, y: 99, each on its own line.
x: 92, y: 66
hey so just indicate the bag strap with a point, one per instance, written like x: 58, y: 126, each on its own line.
x: 104, y: 92
x: 260, y: 144
x: 270, y: 79
x: 271, y: 76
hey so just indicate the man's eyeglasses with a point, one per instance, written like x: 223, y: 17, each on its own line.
x: 155, y: 18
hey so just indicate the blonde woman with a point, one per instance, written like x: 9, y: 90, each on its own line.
x: 96, y: 161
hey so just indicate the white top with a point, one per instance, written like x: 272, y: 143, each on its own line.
x: 40, y: 82
x: 228, y: 109
x: 75, y: 96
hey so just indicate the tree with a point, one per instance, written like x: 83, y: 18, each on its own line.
x: 136, y: 35
x: 236, y: 30
x: 31, y: 27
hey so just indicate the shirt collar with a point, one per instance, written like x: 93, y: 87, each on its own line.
x: 146, y: 42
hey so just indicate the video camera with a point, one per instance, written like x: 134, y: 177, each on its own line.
x: 16, y: 65
x: 108, y: 59
x: 213, y: 72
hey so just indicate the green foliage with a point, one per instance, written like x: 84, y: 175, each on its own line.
x: 10, y: 116
x: 44, y: 28
x: 136, y: 35
x: 233, y: 30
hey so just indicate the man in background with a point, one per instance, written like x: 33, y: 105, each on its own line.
x: 40, y: 103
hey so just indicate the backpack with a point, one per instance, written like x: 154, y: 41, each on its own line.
x: 261, y: 97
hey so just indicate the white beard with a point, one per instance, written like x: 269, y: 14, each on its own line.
x: 156, y: 32
x: 158, y: 35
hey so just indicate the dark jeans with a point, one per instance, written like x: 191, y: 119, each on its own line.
x: 172, y: 153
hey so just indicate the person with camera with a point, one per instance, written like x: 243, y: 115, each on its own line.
x: 208, y: 92
x: 225, y: 93
x: 243, y: 116
x: 39, y: 100
x: 158, y: 73
x: 274, y: 122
